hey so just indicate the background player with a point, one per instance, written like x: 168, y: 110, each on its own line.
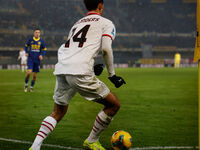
x: 74, y: 73
x: 35, y: 50
x: 22, y: 56
x: 177, y: 60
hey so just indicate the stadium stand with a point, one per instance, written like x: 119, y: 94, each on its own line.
x: 167, y: 25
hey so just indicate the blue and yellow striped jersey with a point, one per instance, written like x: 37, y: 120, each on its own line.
x: 35, y: 47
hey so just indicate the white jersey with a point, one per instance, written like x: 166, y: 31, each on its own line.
x: 22, y: 56
x: 77, y: 56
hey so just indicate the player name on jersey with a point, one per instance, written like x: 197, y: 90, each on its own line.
x: 88, y: 20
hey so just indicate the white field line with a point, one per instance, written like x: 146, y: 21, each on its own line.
x: 72, y: 148
x: 164, y: 147
x: 46, y: 145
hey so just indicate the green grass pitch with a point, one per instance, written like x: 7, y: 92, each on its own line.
x: 159, y: 107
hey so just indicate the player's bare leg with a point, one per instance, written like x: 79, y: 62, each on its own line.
x: 28, y: 74
x: 33, y: 81
x: 103, y: 119
x: 59, y: 112
x: 111, y: 104
x: 26, y: 79
x: 48, y: 124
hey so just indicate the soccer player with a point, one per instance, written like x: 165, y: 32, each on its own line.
x: 74, y: 73
x: 35, y: 49
x: 177, y: 60
x: 22, y: 56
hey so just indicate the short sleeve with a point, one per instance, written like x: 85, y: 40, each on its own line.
x: 109, y: 30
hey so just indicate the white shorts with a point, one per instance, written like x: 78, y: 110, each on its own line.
x: 23, y: 62
x: 88, y: 86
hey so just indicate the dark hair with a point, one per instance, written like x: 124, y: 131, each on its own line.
x: 36, y: 29
x: 92, y: 4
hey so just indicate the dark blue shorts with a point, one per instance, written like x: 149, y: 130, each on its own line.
x: 34, y: 66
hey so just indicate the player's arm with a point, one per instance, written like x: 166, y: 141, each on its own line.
x: 26, y: 47
x: 43, y: 50
x: 19, y: 56
x: 108, y: 59
x: 108, y: 55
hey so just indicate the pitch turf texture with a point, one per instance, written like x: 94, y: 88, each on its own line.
x: 159, y: 107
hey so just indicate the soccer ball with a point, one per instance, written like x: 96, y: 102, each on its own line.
x: 121, y: 140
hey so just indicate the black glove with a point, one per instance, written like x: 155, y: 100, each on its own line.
x: 98, y: 69
x: 117, y: 81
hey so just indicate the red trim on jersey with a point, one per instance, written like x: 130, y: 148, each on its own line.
x: 108, y: 36
x: 93, y: 13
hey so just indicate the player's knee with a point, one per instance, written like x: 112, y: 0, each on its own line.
x: 117, y: 106
x: 29, y: 72
x: 117, y: 103
x: 57, y: 115
x: 59, y: 112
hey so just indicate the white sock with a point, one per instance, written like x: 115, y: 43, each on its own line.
x: 47, y: 126
x: 102, y: 121
x: 22, y: 68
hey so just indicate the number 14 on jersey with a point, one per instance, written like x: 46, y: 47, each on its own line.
x: 80, y: 36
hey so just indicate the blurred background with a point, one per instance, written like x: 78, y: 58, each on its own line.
x: 149, y: 32
x: 159, y: 105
